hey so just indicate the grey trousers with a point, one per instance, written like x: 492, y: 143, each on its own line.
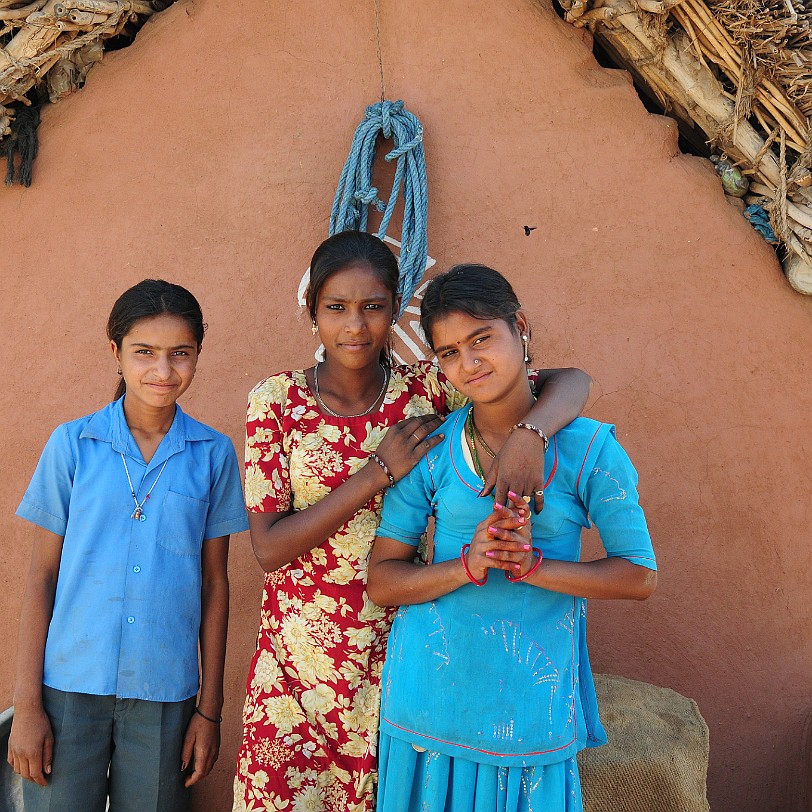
x: 126, y: 749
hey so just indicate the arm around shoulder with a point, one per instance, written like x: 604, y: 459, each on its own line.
x: 561, y: 396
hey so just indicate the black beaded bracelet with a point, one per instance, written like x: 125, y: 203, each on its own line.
x: 385, y: 468
x: 534, y: 429
x: 208, y: 718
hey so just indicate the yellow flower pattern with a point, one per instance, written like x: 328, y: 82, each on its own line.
x: 313, y: 689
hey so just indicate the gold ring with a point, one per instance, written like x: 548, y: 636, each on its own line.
x: 526, y: 499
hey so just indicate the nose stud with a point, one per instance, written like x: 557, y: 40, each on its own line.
x: 476, y: 361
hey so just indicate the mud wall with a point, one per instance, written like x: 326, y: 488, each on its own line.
x: 208, y: 153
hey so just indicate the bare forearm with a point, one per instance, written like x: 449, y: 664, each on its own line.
x: 561, y: 398
x: 201, y: 744
x: 298, y: 533
x: 35, y: 618
x: 607, y: 579
x: 213, y: 632
x: 400, y: 583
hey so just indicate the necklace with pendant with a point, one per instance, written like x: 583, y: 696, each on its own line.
x: 138, y: 514
x: 329, y: 411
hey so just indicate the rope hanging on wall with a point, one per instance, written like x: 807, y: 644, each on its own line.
x: 355, y: 192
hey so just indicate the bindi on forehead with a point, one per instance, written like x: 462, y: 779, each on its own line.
x: 463, y: 339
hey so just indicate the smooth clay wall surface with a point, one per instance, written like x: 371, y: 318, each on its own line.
x: 208, y: 152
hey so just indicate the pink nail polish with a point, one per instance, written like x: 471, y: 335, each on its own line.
x: 498, y: 506
x: 493, y: 530
x: 526, y: 547
x: 513, y: 495
x: 489, y: 554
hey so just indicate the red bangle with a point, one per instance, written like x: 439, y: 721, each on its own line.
x: 530, y: 571
x: 465, y: 548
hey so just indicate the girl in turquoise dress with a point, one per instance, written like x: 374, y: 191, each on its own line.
x: 487, y: 689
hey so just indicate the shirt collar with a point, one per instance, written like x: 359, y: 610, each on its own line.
x: 109, y: 425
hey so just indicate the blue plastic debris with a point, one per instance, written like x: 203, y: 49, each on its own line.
x: 760, y: 220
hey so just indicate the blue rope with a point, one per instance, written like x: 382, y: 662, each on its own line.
x: 355, y: 192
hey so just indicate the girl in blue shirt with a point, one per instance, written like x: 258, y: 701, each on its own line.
x: 134, y: 506
x: 487, y: 693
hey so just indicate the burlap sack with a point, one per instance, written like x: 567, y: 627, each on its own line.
x: 657, y: 756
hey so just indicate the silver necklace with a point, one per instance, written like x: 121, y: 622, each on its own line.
x: 138, y: 514
x: 329, y: 411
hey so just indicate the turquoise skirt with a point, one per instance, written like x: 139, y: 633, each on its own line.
x: 411, y: 780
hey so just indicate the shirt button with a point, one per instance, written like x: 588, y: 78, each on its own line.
x: 136, y: 568
x: 130, y: 619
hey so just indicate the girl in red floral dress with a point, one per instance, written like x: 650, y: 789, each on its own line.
x: 322, y: 445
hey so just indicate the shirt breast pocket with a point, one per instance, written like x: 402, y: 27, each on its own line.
x: 183, y: 522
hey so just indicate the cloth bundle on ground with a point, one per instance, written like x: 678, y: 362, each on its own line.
x: 657, y: 756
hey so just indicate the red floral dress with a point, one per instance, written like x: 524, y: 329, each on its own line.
x: 313, y: 691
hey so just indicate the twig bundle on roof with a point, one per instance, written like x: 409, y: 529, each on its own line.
x: 48, y: 46
x: 739, y: 70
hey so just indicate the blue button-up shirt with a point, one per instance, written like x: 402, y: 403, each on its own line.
x: 126, y: 616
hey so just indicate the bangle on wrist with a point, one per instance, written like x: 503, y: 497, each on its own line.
x: 536, y: 429
x: 529, y: 572
x: 208, y: 718
x: 465, y: 548
x: 385, y: 468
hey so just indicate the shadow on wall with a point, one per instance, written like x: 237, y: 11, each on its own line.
x: 806, y: 781
x: 11, y: 785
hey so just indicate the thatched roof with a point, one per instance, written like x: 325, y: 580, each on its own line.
x: 740, y: 71
x: 46, y: 49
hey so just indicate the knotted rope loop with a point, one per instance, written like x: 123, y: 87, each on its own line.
x: 355, y: 192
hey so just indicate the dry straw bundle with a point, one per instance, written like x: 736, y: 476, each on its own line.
x: 51, y: 44
x: 740, y: 70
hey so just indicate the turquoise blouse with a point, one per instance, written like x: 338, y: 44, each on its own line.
x: 500, y: 674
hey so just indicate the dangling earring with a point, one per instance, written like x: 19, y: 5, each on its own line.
x: 118, y: 371
x: 392, y: 326
x: 524, y: 341
x: 314, y: 327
